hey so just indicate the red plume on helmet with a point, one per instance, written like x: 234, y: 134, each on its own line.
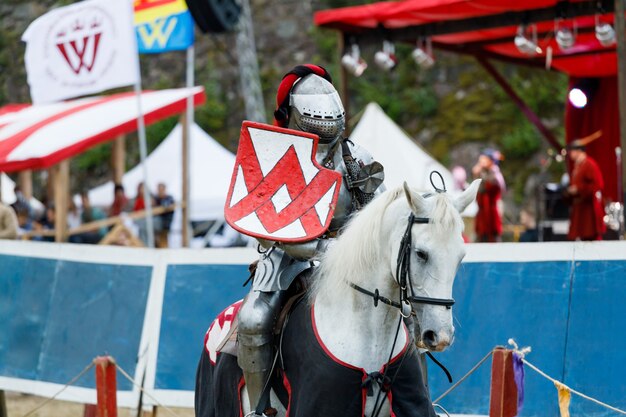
x: 281, y: 114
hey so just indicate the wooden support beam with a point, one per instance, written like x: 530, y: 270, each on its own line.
x: 185, y: 179
x: 620, y: 28
x: 61, y: 198
x: 530, y: 115
x: 118, y: 159
x: 49, y: 185
x: 25, y: 181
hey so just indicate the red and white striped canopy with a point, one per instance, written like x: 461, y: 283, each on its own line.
x: 36, y: 137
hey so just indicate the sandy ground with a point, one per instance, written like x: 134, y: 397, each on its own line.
x: 18, y: 405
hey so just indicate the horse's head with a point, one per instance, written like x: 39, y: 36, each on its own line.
x: 430, y: 247
x: 366, y: 254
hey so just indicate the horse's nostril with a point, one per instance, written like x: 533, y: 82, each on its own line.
x: 429, y: 338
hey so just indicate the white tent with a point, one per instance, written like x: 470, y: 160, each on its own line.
x: 403, y: 159
x: 210, y: 170
x: 8, y: 193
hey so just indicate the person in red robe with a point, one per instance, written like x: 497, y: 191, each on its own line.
x: 585, y: 195
x: 488, y: 221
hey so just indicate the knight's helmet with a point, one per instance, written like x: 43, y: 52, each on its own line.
x: 307, y: 101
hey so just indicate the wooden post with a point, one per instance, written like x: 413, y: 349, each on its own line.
x: 3, y: 405
x: 620, y: 27
x: 50, y: 185
x: 61, y: 195
x: 25, y: 181
x: 118, y: 159
x: 185, y: 179
x: 503, y: 395
x: 106, y: 386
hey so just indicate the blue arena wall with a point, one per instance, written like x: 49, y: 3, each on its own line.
x: 194, y: 295
x: 61, y: 306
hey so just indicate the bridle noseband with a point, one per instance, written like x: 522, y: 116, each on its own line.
x: 403, y: 268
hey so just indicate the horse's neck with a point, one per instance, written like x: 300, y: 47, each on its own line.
x: 358, y: 333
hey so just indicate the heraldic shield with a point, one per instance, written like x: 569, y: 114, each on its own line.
x: 278, y: 190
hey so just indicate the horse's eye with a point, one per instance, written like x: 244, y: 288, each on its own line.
x: 422, y: 255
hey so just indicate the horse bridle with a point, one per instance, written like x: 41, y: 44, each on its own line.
x: 403, y: 268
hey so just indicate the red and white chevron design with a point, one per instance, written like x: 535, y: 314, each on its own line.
x: 278, y: 190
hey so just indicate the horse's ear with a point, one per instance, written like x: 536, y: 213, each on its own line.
x: 466, y: 198
x: 414, y: 199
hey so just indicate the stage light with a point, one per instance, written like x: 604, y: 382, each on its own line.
x: 386, y: 59
x: 605, y: 34
x: 582, y: 92
x: 423, y: 54
x: 577, y: 97
x: 527, y: 43
x: 564, y: 36
x: 353, y: 62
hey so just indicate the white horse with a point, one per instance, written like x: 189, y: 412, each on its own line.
x: 398, y: 254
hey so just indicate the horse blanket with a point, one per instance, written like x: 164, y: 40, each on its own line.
x: 311, y: 381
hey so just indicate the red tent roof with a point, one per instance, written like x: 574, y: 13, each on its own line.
x: 35, y: 137
x: 486, y: 27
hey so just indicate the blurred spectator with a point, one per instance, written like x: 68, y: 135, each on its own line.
x: 459, y: 175
x: 24, y: 221
x: 8, y: 222
x: 163, y: 222
x: 488, y: 222
x: 585, y: 195
x: 73, y: 215
x: 120, y: 202
x: 21, y: 204
x: 45, y: 223
x: 89, y: 214
x: 138, y: 205
x: 530, y: 233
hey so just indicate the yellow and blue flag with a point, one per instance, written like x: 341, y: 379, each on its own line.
x: 162, y: 25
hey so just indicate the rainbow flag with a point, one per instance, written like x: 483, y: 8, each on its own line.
x: 162, y: 25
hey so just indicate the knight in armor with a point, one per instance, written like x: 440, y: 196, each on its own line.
x: 308, y: 102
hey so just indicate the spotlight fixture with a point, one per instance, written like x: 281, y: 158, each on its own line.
x: 582, y: 92
x: 565, y: 37
x: 353, y: 62
x: 605, y: 34
x: 423, y: 54
x: 577, y: 97
x: 526, y: 40
x: 386, y: 59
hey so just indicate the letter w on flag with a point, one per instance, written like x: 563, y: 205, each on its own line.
x: 278, y: 190
x: 163, y: 25
x: 81, y: 49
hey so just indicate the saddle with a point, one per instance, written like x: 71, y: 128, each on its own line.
x: 228, y: 340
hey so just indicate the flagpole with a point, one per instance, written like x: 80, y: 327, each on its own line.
x: 143, y: 151
x: 186, y: 183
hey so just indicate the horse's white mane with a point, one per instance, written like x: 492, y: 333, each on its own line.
x: 356, y: 252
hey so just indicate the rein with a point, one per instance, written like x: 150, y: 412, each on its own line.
x: 403, y: 268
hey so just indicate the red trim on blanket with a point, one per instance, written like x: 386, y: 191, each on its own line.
x: 325, y: 348
x: 287, y: 386
x: 240, y: 386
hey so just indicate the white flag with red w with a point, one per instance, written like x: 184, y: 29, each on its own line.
x: 81, y: 49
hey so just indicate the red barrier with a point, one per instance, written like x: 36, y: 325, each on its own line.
x: 106, y: 386
x: 503, y: 395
